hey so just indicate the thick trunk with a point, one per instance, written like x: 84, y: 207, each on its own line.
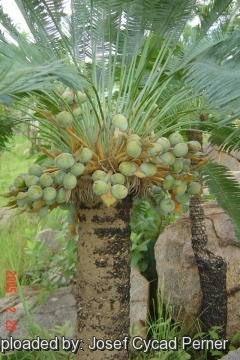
x: 212, y: 272
x: 103, y: 278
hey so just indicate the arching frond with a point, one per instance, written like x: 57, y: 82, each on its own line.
x: 216, y: 73
x: 226, y: 189
x: 226, y: 137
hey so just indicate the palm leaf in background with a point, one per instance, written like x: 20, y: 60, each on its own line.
x: 226, y: 188
x: 25, y: 66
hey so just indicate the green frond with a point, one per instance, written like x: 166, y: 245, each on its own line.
x: 216, y: 73
x: 125, y: 55
x: 211, y: 15
x: 44, y: 18
x: 226, y: 137
x: 225, y: 187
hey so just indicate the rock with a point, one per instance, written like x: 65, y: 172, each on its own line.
x: 49, y: 236
x: 49, y: 309
x: 46, y: 309
x: 232, y: 355
x: 176, y: 266
x: 232, y: 160
x: 139, y: 298
x: 237, y: 175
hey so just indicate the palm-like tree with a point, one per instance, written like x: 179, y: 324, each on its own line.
x: 126, y: 57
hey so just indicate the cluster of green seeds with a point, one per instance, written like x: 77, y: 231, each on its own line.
x: 164, y: 167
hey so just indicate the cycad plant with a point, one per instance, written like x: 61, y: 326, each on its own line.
x: 116, y: 131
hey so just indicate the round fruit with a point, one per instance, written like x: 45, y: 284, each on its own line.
x: 133, y: 149
x: 72, y: 208
x: 46, y: 180
x: 19, y: 182
x: 64, y: 161
x: 58, y: 177
x: 182, y: 199
x: 167, y: 205
x: 186, y: 168
x: 35, y: 169
x: 12, y: 187
x: 77, y: 169
x: 119, y: 191
x: 159, y: 197
x: 194, y: 145
x: 180, y: 149
x: 22, y: 202
x: 69, y: 181
x: 195, y: 174
x: 77, y: 113
x: 187, y: 162
x: 68, y: 97
x: 165, y: 143
x: 50, y: 202
x: 177, y: 166
x: 117, y: 178
x: 85, y: 155
x: 179, y: 187
x: 49, y: 193
x: 63, y: 206
x: 120, y: 122
x: 193, y: 188
x: 168, y: 158
x: 43, y: 212
x: 35, y: 192
x: 60, y: 198
x: 31, y: 180
x: 149, y: 169
x: 156, y: 190
x: 175, y: 138
x: 64, y: 119
x: 160, y: 211
x: 100, y: 175
x: 127, y: 168
x: 168, y: 182
x: 157, y: 149
x: 133, y: 137
x: 100, y: 187
x: 80, y: 97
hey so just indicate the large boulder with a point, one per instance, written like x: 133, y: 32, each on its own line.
x: 231, y: 160
x: 176, y: 266
x: 232, y: 355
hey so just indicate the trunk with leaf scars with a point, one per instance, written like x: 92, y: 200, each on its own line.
x: 103, y: 278
x: 212, y: 269
x: 212, y: 272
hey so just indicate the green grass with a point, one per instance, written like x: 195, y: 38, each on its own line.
x: 12, y: 244
x: 14, y: 237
